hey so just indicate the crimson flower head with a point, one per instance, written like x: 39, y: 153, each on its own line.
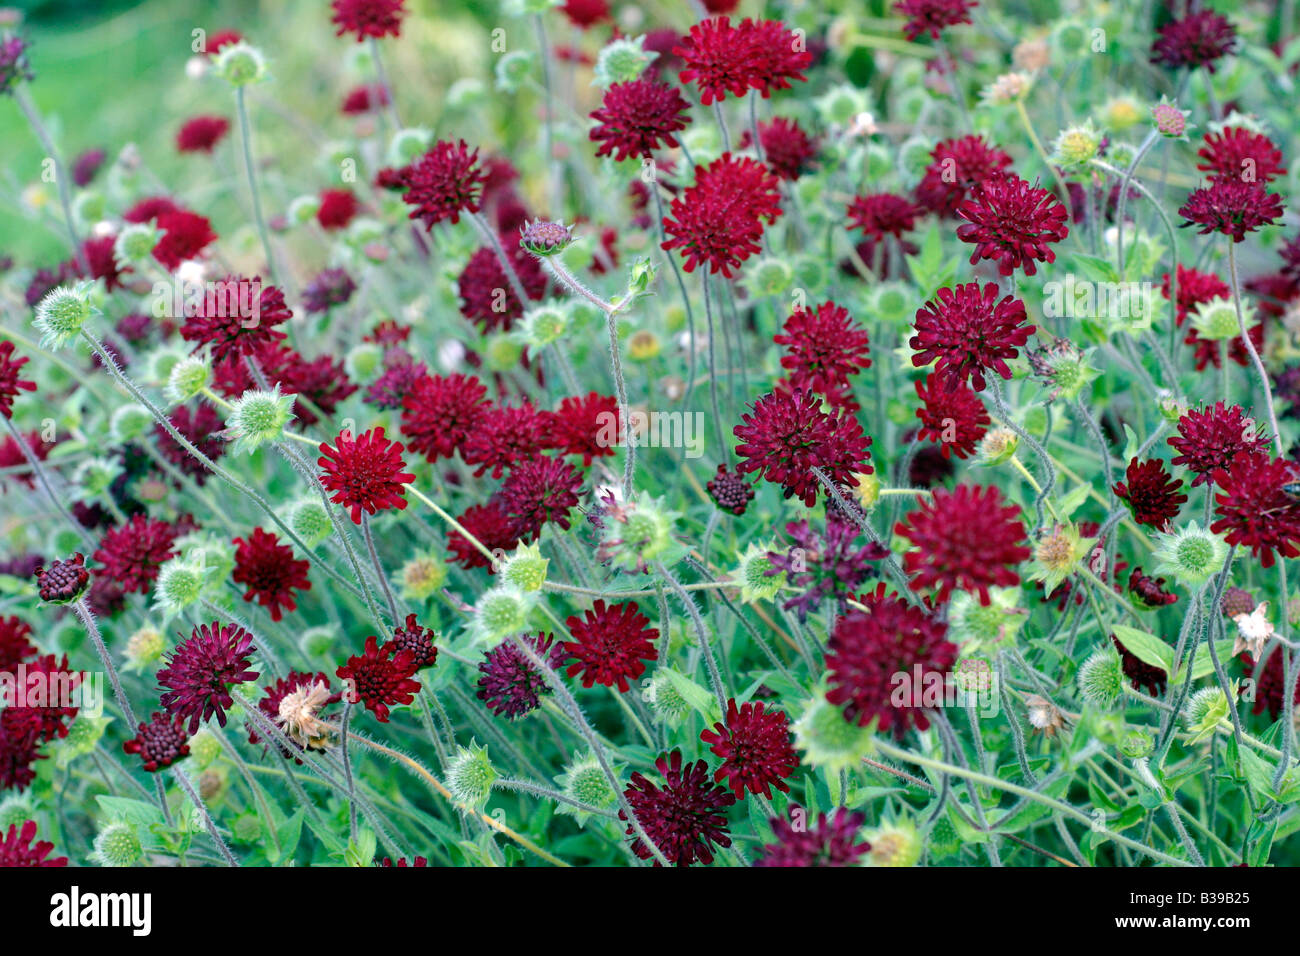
x: 338, y: 207
x: 202, y: 426
x: 833, y: 842
x: 368, y: 18
x: 954, y: 417
x: 967, y: 330
x: 787, y: 434
x: 882, y: 214
x: 1199, y: 39
x: 956, y: 167
x: 1213, y: 437
x: 10, y: 383
x: 754, y: 745
x: 201, y: 671
x: 201, y: 134
x: 439, y: 413
x: 486, y: 294
x: 366, y: 472
x: 586, y: 13
x: 718, y: 221
x: 63, y: 581
x: 539, y: 490
x: 417, y: 639
x: 1255, y: 509
x: 131, y: 554
x: 637, y: 118
x: 15, y: 646
x: 1233, y: 207
x: 868, y: 649
x: 581, y: 426
x: 364, y: 99
x: 610, y: 644
x: 1012, y: 222
x: 1152, y: 494
x: 721, y: 58
x: 1194, y: 288
x: 161, y: 742
x: 787, y: 148
x: 443, y: 183
x: 47, y: 721
x: 510, y: 685
x: 963, y: 539
x: 1240, y: 153
x: 933, y: 16
x: 184, y: 235
x: 237, y: 317
x: 823, y: 347
x: 382, y: 677
x: 268, y: 569
x: 730, y: 492
x: 504, y: 437
x: 490, y: 524
x: 17, y: 848
x: 685, y: 818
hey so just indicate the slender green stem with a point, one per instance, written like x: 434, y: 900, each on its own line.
x: 246, y: 142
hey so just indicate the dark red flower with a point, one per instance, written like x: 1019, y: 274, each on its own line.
x: 1254, y: 509
x: 586, y: 13
x: 443, y: 183
x: 10, y: 383
x: 63, y: 581
x: 439, y: 413
x: 1139, y: 673
x: 505, y: 436
x: 40, y: 710
x: 365, y: 473
x: 15, y: 647
x: 201, y: 134
x: 185, y: 235
x: 610, y: 644
x: 201, y: 671
x: 511, y: 686
x: 17, y: 849
x: 486, y: 294
x: 131, y: 554
x: 1194, y: 288
x: 763, y: 55
x: 338, y: 207
x: 412, y: 637
x: 398, y: 378
x: 964, y: 539
x: 102, y: 261
x: 380, y: 678
x: 368, y: 18
x: 19, y: 750
x: 203, y: 427
x: 967, y: 330
x: 237, y: 317
x: 883, y: 214
x: 331, y: 287
x: 954, y: 417
x: 1012, y: 222
x: 956, y: 167
x: 1213, y: 438
x: 731, y: 492
x: 488, y: 523
x: 1150, y: 592
x: 637, y: 118
x: 868, y: 649
x: 584, y: 425
x: 220, y: 39
x: 269, y: 571
x: 149, y: 209
x: 1232, y: 207
x: 933, y: 16
x: 539, y: 490
x: 86, y: 166
x: 364, y: 99
x: 1198, y: 39
x: 1236, y: 601
x: 718, y: 221
x: 1151, y: 493
x: 787, y: 149
x: 161, y: 742
x: 401, y: 861
x: 1240, y: 153
x: 787, y: 434
x: 834, y: 842
x: 685, y: 818
x: 822, y: 349
x: 754, y: 745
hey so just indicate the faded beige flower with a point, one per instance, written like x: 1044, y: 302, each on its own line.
x: 1031, y: 55
x: 298, y: 717
x: 1044, y: 715
x: 1254, y: 630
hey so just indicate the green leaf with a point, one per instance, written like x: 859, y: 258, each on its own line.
x: 287, y: 834
x: 1258, y: 772
x: 1204, y: 665
x: 132, y: 811
x: 1095, y: 268
x: 1146, y: 647
x: 695, y: 695
x: 1069, y: 503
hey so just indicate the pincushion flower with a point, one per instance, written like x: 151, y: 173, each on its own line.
x: 269, y: 571
x: 381, y: 677
x: 540, y: 490
x: 685, y: 819
x: 718, y: 221
x: 438, y: 413
x: 933, y: 16
x: 491, y: 526
x: 368, y: 18
x: 10, y: 382
x: 730, y: 492
x: 201, y: 134
x: 786, y: 435
x: 721, y: 58
x: 954, y: 417
x: 338, y: 207
x: 637, y: 118
x: 831, y: 564
x: 15, y: 646
x: 15, y: 67
x: 967, y: 330
x: 869, y: 648
x: 754, y: 745
x: 160, y: 742
x: 1201, y: 38
x: 62, y: 581
x: 330, y: 288
x: 510, y: 685
x: 1240, y: 153
x: 610, y: 644
x: 364, y: 99
x: 47, y: 679
x: 956, y: 167
x: 488, y: 297
x: 581, y: 426
x: 17, y: 848
x: 964, y: 539
x: 184, y: 235
x: 823, y: 347
x: 1231, y: 206
x: 1255, y: 509
x: 505, y: 436
x: 444, y: 183
x: 586, y: 13
x: 787, y: 147
x: 1013, y: 223
x: 414, y: 637
x: 200, y: 673
x: 236, y: 316
x: 878, y: 215
x: 1151, y: 493
x: 1213, y: 437
x: 365, y: 473
x: 834, y: 842
x: 131, y: 554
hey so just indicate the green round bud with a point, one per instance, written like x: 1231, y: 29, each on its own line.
x: 240, y: 64
x: 894, y: 844
x: 666, y: 701
x: 422, y: 576
x: 259, y: 417
x: 364, y: 361
x: 466, y: 93
x: 130, y: 422
x: 502, y: 352
x: 1191, y: 556
x: 513, y: 70
x: 769, y: 276
x: 83, y: 736
x: 943, y: 839
x: 317, y: 641
x: 1077, y: 145
x: 841, y: 105
x: 1136, y: 744
x: 499, y: 613
x: 1217, y: 319
x: 879, y: 160
x: 810, y: 274
x: 757, y: 576
x: 135, y: 244
x: 247, y: 828
x: 14, y: 812
x: 144, y: 647
x: 585, y: 782
x: 914, y: 155
x: 188, y: 377
x: 310, y: 521
x: 892, y: 301
x: 639, y: 535
x: 205, y: 748
x: 408, y: 145
x: 545, y: 324
x: 94, y: 476
x: 89, y: 206
x: 179, y: 584
x: 622, y: 61
x: 470, y: 776
x: 117, y: 845
x: 159, y: 364
x: 828, y: 739
x: 1101, y: 678
x: 525, y: 569
x: 62, y: 314
x: 303, y: 210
